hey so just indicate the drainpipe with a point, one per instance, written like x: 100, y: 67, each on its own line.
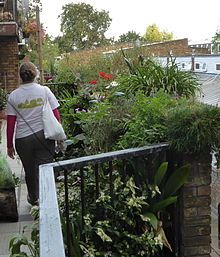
x: 219, y: 225
x: 193, y: 63
x: 39, y: 42
x: 5, y: 81
x: 15, y: 13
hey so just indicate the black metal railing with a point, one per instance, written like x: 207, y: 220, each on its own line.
x: 58, y: 88
x: 51, y: 238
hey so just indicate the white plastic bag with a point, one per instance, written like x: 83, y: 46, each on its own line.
x: 52, y: 128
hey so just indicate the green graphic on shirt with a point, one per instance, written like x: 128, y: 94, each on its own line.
x: 31, y: 104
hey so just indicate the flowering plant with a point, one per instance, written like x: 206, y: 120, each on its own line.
x: 31, y: 28
x: 105, y: 75
x: 100, y: 84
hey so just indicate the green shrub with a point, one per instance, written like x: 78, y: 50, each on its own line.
x: 136, y: 229
x: 6, y: 177
x: 148, y: 121
x: 85, y: 65
x: 19, y: 242
x: 151, y: 77
x: 3, y: 99
x: 104, y: 123
x: 194, y: 128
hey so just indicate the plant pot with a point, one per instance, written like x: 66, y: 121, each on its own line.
x: 8, y: 205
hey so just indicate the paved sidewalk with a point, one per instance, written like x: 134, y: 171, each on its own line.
x: 10, y: 229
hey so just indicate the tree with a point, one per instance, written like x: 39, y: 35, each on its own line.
x: 130, y: 36
x: 216, y: 42
x: 50, y: 52
x: 153, y: 34
x: 83, y: 26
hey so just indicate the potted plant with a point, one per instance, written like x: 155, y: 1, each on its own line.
x: 8, y: 203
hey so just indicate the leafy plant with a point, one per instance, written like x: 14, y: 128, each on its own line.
x: 135, y: 230
x: 109, y: 232
x: 194, y: 129
x: 6, y: 177
x: 169, y: 186
x: 150, y: 77
x: 104, y: 123
x: 147, y: 123
x: 3, y: 99
x: 19, y: 241
x: 65, y: 73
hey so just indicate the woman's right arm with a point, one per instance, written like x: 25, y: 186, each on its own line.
x: 11, y: 120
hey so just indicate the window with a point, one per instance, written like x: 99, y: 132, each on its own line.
x: 204, y: 66
x: 197, y: 66
x: 2, y: 3
x: 183, y: 65
x: 217, y: 66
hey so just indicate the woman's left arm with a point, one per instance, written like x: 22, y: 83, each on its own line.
x: 57, y: 114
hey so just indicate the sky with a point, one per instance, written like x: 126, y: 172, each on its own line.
x: 196, y: 20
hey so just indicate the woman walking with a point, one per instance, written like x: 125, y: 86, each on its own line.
x: 24, y: 123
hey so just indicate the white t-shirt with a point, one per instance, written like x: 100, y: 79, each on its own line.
x: 26, y: 103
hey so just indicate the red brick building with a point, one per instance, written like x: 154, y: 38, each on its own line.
x: 9, y: 49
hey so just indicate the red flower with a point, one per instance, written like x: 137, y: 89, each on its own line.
x: 108, y: 76
x: 93, y: 82
x: 105, y: 75
x: 102, y: 74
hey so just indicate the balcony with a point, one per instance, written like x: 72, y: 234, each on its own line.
x: 9, y: 29
x: 9, y: 10
x: 9, y: 20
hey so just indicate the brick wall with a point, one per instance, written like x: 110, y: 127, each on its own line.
x: 195, y: 209
x: 178, y: 47
x: 9, y: 62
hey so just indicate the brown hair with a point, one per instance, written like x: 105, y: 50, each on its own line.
x: 28, y: 72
